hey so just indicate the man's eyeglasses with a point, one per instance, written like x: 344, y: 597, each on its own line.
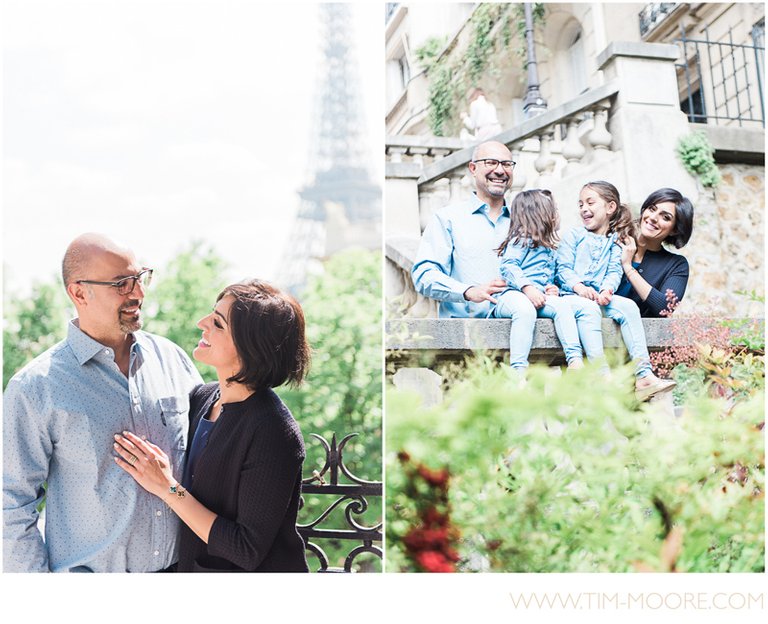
x: 126, y: 285
x: 492, y: 163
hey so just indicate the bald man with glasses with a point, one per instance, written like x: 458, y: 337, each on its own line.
x: 62, y: 411
x: 456, y: 263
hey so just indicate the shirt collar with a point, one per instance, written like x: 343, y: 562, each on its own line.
x: 85, y: 348
x: 478, y: 205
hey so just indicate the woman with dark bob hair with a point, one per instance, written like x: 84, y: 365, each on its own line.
x: 649, y: 269
x: 239, y: 493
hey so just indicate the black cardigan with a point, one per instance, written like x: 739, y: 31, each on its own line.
x: 663, y: 270
x: 249, y: 474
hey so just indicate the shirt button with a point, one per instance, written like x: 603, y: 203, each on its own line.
x: 156, y: 553
x: 639, y: 270
x: 159, y: 513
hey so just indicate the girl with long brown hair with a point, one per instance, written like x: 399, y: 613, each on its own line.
x: 589, y: 268
x: 528, y: 266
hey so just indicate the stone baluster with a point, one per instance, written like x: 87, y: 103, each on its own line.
x: 518, y: 177
x: 428, y: 200
x: 599, y: 137
x: 396, y: 153
x: 545, y: 163
x: 573, y: 150
x: 457, y: 192
x: 438, y: 153
x: 417, y: 154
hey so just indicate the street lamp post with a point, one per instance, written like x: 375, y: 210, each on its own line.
x: 533, y: 103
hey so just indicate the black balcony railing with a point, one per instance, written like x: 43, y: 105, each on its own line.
x: 352, y: 497
x: 721, y: 81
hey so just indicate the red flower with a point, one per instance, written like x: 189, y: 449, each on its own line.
x: 433, y: 561
x: 436, y: 478
x: 433, y: 516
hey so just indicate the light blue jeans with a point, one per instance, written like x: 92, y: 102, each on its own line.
x: 515, y: 305
x: 626, y: 313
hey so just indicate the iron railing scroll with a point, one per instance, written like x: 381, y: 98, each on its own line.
x: 351, y: 496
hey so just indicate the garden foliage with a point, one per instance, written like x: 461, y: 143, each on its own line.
x: 570, y: 474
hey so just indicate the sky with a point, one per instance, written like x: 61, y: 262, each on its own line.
x: 159, y: 123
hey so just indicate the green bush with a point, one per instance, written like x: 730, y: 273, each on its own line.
x: 553, y: 478
x: 697, y: 155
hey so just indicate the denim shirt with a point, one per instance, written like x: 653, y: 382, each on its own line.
x: 522, y: 266
x: 61, y: 412
x: 458, y: 250
x: 591, y: 259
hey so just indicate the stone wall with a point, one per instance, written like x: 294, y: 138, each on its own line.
x: 726, y: 250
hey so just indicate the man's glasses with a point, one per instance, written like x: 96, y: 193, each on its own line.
x: 492, y: 163
x: 126, y: 285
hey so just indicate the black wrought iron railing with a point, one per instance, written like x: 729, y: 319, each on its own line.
x: 352, y: 497
x: 721, y: 81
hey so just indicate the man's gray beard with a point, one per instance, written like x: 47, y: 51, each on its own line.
x: 128, y: 327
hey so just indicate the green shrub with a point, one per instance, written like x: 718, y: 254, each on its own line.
x: 553, y: 478
x: 697, y: 155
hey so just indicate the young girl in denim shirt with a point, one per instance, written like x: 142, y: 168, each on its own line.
x: 528, y: 266
x: 589, y: 269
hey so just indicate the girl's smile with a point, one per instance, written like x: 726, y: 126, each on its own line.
x: 595, y: 211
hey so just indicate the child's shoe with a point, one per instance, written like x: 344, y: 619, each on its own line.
x: 575, y: 364
x: 650, y: 385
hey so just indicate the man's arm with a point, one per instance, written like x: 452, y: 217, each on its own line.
x: 431, y: 271
x: 27, y: 450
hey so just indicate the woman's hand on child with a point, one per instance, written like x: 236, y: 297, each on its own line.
x: 586, y: 291
x: 145, y: 462
x: 551, y: 290
x: 628, y: 249
x: 538, y: 299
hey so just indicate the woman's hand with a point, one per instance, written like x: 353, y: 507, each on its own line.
x: 145, y: 462
x: 551, y: 290
x: 628, y: 249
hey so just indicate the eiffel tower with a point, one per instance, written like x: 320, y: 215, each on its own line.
x: 340, y: 204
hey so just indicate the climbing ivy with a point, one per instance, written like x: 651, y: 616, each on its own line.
x: 493, y: 26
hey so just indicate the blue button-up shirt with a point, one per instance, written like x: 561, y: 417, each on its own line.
x: 591, y: 259
x: 522, y: 265
x: 61, y: 413
x: 458, y: 250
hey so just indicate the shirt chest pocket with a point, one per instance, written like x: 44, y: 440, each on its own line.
x: 174, y: 413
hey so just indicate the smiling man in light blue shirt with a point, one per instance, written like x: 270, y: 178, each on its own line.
x: 61, y: 412
x: 457, y: 263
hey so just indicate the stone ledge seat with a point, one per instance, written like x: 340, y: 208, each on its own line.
x: 448, y: 338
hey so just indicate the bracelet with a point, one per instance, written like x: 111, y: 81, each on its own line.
x: 179, y: 490
x: 630, y: 272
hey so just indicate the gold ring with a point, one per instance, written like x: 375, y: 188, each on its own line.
x: 132, y: 460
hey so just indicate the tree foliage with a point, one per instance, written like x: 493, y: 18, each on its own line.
x: 33, y: 324
x: 185, y: 291
x: 342, y: 393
